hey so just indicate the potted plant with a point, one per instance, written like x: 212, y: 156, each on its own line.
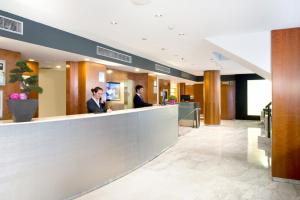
x: 172, y: 99
x: 20, y: 106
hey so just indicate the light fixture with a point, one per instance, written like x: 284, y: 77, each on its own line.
x: 31, y: 60
x: 181, y: 34
x: 113, y: 22
x: 171, y: 28
x: 140, y: 2
x: 58, y: 67
x: 137, y: 69
x: 109, y: 71
x: 87, y: 59
x: 163, y: 49
x: 158, y: 15
x: 144, y: 38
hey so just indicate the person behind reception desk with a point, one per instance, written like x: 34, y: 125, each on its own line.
x: 138, y: 99
x: 95, y: 104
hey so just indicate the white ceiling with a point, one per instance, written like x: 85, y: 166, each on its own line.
x: 197, y: 19
x: 49, y: 58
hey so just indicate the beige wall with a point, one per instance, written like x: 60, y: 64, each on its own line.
x: 52, y: 102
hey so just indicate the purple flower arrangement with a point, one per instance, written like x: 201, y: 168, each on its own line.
x: 18, y: 96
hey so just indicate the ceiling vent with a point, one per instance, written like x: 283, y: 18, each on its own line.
x: 219, y: 57
x: 162, y: 68
x: 11, y: 25
x: 113, y: 54
x: 185, y: 75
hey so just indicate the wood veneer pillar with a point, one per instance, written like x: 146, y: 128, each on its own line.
x: 212, y: 110
x: 286, y: 104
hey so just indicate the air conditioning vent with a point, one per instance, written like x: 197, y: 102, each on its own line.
x: 113, y: 54
x: 11, y: 25
x: 185, y: 75
x: 162, y: 68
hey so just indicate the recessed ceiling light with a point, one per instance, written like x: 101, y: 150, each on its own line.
x: 181, y: 34
x: 114, y: 22
x: 58, y: 67
x: 158, y: 15
x: 171, y: 28
x: 31, y: 60
x: 109, y: 71
x: 137, y: 69
x: 140, y: 2
x: 144, y: 38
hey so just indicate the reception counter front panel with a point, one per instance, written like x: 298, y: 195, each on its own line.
x: 63, y: 157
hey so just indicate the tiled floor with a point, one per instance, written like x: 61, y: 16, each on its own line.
x: 212, y: 162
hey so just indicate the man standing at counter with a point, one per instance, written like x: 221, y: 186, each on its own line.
x: 138, y: 99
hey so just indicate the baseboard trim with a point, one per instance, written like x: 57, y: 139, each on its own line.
x: 284, y: 180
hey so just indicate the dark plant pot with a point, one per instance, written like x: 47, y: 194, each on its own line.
x: 22, y: 110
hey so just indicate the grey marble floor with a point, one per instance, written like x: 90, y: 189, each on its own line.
x: 209, y: 163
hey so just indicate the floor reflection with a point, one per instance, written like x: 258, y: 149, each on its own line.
x: 258, y: 148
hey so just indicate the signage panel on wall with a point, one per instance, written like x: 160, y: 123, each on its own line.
x: 2, y: 72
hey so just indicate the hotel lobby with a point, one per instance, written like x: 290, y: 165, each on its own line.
x: 150, y: 99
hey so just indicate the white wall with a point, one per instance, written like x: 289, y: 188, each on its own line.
x: 254, y: 48
x: 52, y: 102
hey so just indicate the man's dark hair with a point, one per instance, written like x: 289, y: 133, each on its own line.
x: 138, y: 87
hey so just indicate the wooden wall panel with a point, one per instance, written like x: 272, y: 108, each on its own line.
x: 228, y: 101
x: 198, y: 95
x: 180, y: 90
x: 152, y: 97
x: 72, y: 88
x: 189, y: 90
x: 10, y: 58
x: 286, y: 103
x: 212, y: 110
x: 164, y: 85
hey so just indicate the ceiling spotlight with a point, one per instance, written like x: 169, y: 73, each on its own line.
x: 171, y: 28
x: 181, y: 34
x: 158, y: 15
x: 58, y: 67
x: 31, y: 60
x: 140, y: 2
x: 113, y: 23
x: 109, y: 71
x: 137, y: 69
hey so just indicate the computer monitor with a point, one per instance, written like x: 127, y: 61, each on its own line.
x: 185, y: 97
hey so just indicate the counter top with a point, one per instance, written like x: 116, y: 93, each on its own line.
x: 80, y: 116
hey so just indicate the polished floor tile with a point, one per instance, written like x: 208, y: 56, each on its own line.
x: 226, y: 162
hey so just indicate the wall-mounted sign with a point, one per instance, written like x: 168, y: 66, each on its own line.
x: 2, y: 72
x: 101, y: 78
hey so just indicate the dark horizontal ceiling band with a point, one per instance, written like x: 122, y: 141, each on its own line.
x: 41, y: 34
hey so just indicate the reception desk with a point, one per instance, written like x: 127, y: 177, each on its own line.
x: 64, y: 157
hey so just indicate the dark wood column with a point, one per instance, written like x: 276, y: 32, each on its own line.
x: 228, y: 100
x: 212, y: 110
x: 286, y: 103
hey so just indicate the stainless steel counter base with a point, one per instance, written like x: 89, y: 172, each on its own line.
x: 60, y: 159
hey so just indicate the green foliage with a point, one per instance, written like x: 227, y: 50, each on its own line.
x: 28, y: 83
x: 172, y: 97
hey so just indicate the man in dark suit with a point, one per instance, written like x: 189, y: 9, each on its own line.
x: 138, y: 101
